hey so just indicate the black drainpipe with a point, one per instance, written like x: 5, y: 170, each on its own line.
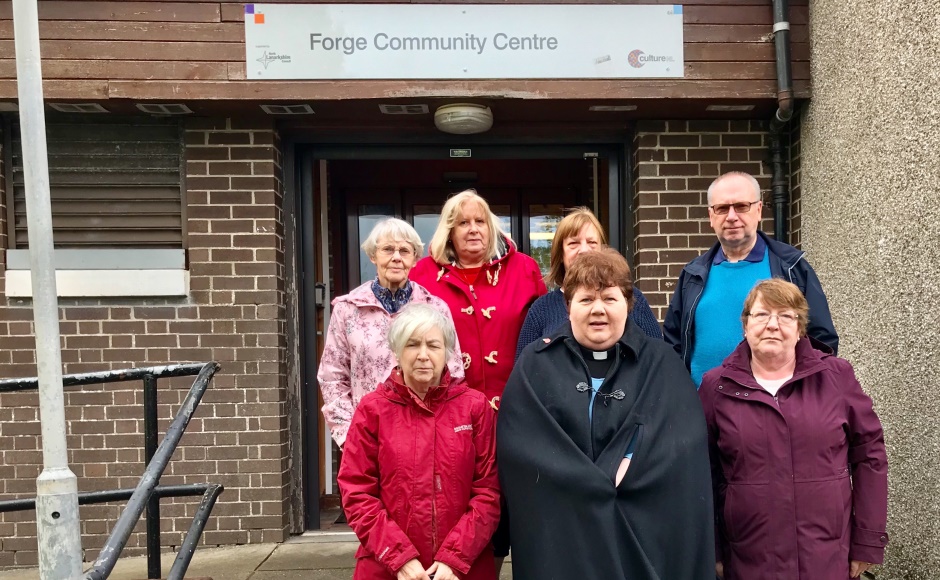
x: 779, y: 183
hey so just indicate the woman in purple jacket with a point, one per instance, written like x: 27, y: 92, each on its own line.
x: 797, y: 452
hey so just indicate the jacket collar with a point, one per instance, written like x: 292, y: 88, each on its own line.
x: 394, y: 389
x: 785, y: 252
x: 363, y: 296
x: 504, y: 249
x: 630, y: 341
x: 811, y: 358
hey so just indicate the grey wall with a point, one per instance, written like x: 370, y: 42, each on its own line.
x: 871, y: 225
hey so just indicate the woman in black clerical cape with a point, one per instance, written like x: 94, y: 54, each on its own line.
x: 602, y: 446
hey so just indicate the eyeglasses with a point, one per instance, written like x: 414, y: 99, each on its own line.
x: 783, y: 318
x: 403, y: 251
x: 739, y: 207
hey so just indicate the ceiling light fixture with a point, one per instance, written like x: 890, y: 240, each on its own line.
x: 463, y: 118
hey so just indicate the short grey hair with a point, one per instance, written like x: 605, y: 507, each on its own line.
x: 393, y: 229
x: 747, y: 176
x: 419, y: 318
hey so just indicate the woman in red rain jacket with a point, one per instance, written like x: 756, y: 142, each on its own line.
x: 418, y: 476
x: 797, y: 452
x: 475, y: 268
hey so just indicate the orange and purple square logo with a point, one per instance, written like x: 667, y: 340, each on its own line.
x: 258, y: 17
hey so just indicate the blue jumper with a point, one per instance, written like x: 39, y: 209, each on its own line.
x: 718, y: 314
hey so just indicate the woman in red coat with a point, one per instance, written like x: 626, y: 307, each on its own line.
x: 798, y: 456
x: 474, y: 266
x: 418, y: 476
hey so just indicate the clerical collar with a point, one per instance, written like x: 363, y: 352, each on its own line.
x: 391, y: 300
x: 755, y: 255
x: 598, y: 361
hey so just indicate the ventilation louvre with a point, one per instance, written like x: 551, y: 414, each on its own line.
x: 165, y: 108
x: 288, y: 109
x: 404, y: 109
x: 78, y: 107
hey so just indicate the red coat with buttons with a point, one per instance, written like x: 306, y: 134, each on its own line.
x: 488, y: 314
x: 800, y: 478
x: 418, y: 480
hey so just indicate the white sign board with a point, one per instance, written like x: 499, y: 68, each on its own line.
x: 466, y: 41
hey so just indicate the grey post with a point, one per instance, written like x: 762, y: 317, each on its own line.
x: 60, y: 542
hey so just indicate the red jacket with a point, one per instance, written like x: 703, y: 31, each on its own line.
x: 487, y: 315
x: 418, y: 480
x: 801, y: 479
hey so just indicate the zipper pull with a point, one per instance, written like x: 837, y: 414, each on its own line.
x: 473, y: 292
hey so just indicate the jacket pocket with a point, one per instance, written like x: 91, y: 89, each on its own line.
x: 745, y: 511
x: 823, y: 507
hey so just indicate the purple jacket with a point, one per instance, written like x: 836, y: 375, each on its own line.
x: 800, y: 479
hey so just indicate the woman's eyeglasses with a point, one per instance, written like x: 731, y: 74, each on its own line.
x: 739, y: 207
x: 403, y: 251
x: 783, y: 318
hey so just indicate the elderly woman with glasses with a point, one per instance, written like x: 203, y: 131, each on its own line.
x: 602, y: 445
x: 418, y: 478
x: 356, y: 356
x: 798, y: 460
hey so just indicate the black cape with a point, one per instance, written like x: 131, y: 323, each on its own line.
x: 557, y: 470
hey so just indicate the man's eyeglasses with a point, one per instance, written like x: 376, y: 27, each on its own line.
x: 403, y: 251
x: 739, y: 207
x: 783, y: 318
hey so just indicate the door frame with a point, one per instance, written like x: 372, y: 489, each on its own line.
x: 301, y: 186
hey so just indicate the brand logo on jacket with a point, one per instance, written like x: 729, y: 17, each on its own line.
x: 460, y: 428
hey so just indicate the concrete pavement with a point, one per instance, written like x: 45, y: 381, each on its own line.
x: 314, y: 556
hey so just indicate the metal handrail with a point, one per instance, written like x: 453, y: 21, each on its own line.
x: 147, y: 493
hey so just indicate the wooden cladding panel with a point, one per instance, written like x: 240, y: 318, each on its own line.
x: 111, y: 184
x: 119, y: 49
x: 136, y: 11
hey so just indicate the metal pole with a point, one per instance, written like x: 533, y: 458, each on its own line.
x: 57, y: 523
x: 150, y: 448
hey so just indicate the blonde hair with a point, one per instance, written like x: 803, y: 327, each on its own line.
x: 442, y: 249
x: 570, y: 226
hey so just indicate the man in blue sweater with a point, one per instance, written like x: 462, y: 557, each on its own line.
x: 703, y: 322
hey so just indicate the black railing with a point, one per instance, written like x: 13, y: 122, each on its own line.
x: 147, y: 494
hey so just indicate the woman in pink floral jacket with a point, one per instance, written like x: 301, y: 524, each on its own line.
x: 357, y: 358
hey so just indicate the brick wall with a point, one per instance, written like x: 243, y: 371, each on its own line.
x: 674, y: 163
x: 235, y: 315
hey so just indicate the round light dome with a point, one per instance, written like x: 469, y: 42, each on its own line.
x: 463, y: 118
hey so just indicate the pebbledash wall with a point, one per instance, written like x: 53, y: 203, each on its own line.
x: 871, y: 205
x: 235, y: 314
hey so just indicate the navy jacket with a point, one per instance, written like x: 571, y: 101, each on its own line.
x: 786, y: 262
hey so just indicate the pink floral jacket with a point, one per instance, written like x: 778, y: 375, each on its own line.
x: 357, y: 358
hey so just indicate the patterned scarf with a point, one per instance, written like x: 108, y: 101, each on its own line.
x: 391, y: 300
